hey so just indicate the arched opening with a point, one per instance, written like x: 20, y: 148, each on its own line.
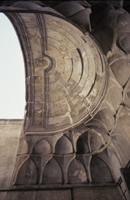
x: 12, y: 98
x: 12, y: 75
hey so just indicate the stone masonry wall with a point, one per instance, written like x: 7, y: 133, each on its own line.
x: 10, y: 131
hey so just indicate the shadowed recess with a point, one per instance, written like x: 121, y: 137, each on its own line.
x: 42, y: 147
x: 100, y: 172
x: 27, y: 173
x: 76, y: 172
x: 63, y: 146
x: 52, y: 172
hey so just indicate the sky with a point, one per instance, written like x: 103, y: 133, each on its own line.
x: 12, y: 75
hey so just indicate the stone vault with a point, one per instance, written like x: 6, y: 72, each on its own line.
x: 77, y: 70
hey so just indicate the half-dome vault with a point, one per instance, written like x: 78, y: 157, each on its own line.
x: 65, y: 72
x: 76, y: 125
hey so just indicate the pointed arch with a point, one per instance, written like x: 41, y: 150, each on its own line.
x: 52, y: 172
x: 27, y: 174
x: 42, y: 147
x: 100, y: 172
x: 76, y: 172
x: 63, y: 146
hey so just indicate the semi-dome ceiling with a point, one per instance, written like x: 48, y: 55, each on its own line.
x: 66, y: 72
x: 66, y: 82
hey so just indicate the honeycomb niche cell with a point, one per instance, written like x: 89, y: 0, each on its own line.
x: 76, y: 172
x: 27, y: 173
x: 52, y: 173
x: 42, y: 147
x: 76, y: 126
x: 63, y: 146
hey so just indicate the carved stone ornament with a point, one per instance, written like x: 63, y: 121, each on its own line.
x: 77, y: 70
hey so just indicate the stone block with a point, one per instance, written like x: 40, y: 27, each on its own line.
x: 53, y: 195
x: 39, y: 195
x: 10, y: 131
x: 98, y: 193
x: 3, y: 195
x: 21, y: 195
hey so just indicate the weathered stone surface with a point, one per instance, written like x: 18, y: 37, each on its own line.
x: 64, y: 65
x: 3, y: 195
x: 76, y: 172
x: 100, y: 193
x: 121, y: 70
x: 63, y: 146
x: 121, y: 143
x: 42, y: 147
x: 100, y: 172
x: 39, y: 195
x: 54, y: 195
x: 52, y: 173
x: 27, y: 174
x: 106, y: 118
x: 126, y: 94
x: 92, y: 193
x: 114, y: 162
x: 124, y: 117
x: 76, y: 128
x: 10, y: 131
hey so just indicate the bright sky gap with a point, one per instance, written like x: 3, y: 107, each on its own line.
x: 12, y: 75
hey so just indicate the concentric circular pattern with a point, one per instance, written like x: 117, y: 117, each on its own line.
x: 67, y: 77
x: 75, y: 79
